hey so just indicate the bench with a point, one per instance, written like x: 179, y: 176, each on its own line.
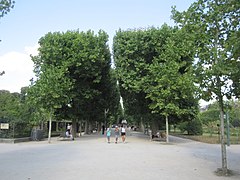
x: 160, y: 135
x: 63, y: 136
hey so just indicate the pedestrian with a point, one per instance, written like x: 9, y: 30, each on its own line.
x: 108, y: 134
x: 103, y: 129
x: 116, y: 131
x: 123, y: 133
x: 69, y: 129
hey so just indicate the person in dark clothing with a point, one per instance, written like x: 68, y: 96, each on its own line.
x: 103, y: 129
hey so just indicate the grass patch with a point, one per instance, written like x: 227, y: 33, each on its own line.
x: 207, y: 138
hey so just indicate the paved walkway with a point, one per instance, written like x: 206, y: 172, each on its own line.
x: 91, y: 157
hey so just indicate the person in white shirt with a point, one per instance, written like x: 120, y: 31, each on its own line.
x: 123, y: 133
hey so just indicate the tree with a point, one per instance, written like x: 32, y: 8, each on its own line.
x: 214, y: 25
x: 154, y: 71
x: 88, y: 60
x: 9, y: 105
x: 82, y: 62
x: 170, y: 82
x: 50, y: 91
x: 134, y: 50
x: 14, y: 110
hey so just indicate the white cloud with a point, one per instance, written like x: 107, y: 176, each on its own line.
x: 32, y: 50
x: 18, y: 69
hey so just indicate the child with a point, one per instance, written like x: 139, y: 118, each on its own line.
x: 108, y: 134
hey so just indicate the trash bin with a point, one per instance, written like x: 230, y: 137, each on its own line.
x: 36, y: 134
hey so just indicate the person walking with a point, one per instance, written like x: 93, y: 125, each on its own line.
x: 108, y: 134
x: 123, y: 133
x: 116, y: 131
x: 103, y: 129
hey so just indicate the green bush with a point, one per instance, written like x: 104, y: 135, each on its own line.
x: 193, y: 127
x: 183, y: 127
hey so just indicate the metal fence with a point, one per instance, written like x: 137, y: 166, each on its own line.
x: 15, y: 130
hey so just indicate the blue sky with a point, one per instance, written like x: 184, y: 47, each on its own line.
x: 21, y: 29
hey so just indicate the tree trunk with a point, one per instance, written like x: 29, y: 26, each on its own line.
x: 167, y: 130
x: 50, y: 127
x: 74, y: 127
x: 154, y: 127
x: 105, y: 117
x: 90, y: 128
x: 222, y: 139
x: 99, y: 127
x: 142, y: 129
x: 80, y: 128
x: 42, y: 125
x: 86, y: 127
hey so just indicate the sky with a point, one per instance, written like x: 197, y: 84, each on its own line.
x: 30, y: 20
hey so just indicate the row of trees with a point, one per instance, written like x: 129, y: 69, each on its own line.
x: 74, y: 77
x: 161, y: 68
x: 162, y: 72
x: 74, y: 81
x: 154, y: 68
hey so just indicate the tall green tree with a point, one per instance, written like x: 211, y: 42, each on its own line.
x: 214, y: 25
x: 154, y: 71
x: 83, y: 61
x: 134, y: 50
x: 89, y: 65
x: 170, y: 81
x: 50, y: 91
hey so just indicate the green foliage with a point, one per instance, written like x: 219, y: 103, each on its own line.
x: 15, y: 111
x: 215, y: 28
x: 154, y: 71
x: 51, y: 89
x: 5, y: 7
x: 170, y: 83
x: 209, y: 115
x: 233, y: 109
x: 213, y: 24
x: 9, y: 106
x: 193, y: 127
x: 74, y: 75
x: 134, y: 50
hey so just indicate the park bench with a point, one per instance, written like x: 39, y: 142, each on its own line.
x: 159, y: 136
x: 63, y: 136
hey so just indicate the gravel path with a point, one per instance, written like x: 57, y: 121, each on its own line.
x: 91, y: 157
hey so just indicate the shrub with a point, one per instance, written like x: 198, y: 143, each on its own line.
x: 193, y: 127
